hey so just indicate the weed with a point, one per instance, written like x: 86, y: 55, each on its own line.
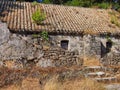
x: 38, y: 16
x: 114, y: 20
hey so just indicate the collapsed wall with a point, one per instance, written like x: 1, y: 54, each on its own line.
x: 21, y: 49
x: 111, y: 57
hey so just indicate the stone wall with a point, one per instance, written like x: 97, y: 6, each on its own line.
x: 112, y: 57
x: 75, y: 44
x: 87, y: 45
x: 59, y: 57
x: 92, y: 47
x: 26, y: 48
x: 21, y: 49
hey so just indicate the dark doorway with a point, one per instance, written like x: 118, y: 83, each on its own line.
x: 64, y: 44
x: 108, y: 46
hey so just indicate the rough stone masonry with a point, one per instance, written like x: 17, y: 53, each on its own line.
x: 24, y: 48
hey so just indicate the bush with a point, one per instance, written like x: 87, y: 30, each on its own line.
x: 73, y: 3
x: 104, y: 5
x: 114, y: 20
x: 38, y: 17
x: 46, y: 1
x: 44, y: 35
x: 82, y: 3
x: 34, y: 3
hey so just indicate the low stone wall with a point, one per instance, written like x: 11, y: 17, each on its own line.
x: 58, y: 57
x: 111, y: 59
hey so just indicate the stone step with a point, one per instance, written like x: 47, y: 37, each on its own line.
x: 95, y: 74
x: 106, y: 79
x: 112, y: 87
x: 93, y: 69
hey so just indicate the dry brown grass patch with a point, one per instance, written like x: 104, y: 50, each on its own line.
x: 85, y: 84
x: 91, y: 62
x: 30, y: 84
x: 53, y: 84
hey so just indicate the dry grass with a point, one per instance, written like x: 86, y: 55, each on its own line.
x: 31, y: 84
x: 53, y: 84
x: 27, y: 80
x: 27, y: 84
x: 85, y: 84
x: 91, y: 62
x: 9, y: 63
x: 11, y: 87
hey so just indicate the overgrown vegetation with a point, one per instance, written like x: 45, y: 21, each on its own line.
x: 34, y: 3
x: 114, y: 18
x: 46, y: 1
x: 44, y: 79
x: 105, y: 4
x: 44, y: 35
x: 38, y: 16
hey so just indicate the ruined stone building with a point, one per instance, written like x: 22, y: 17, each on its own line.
x: 73, y: 32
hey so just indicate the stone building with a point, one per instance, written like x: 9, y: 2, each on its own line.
x: 84, y: 32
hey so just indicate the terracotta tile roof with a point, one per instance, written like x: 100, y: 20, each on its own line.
x: 60, y: 19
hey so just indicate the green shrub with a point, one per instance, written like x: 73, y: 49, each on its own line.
x: 86, y: 3
x: 46, y: 1
x: 74, y: 3
x: 34, y: 3
x: 38, y: 17
x: 44, y: 35
x: 104, y: 5
x: 114, y: 20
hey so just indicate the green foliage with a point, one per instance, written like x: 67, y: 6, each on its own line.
x: 108, y: 38
x: 74, y: 3
x: 38, y: 17
x: 104, y: 5
x: 34, y: 3
x: 117, y: 7
x: 114, y: 20
x: 83, y: 3
x: 44, y: 35
x: 46, y: 1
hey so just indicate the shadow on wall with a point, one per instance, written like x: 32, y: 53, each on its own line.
x: 103, y: 50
